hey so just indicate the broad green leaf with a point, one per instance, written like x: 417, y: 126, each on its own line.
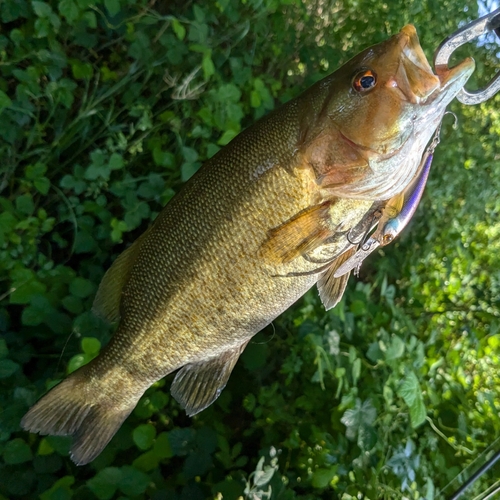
x: 410, y: 389
x: 91, y: 346
x: 227, y: 137
x: 3, y: 349
x: 69, y: 9
x: 17, y: 451
x: 179, y: 29
x: 207, y: 65
x: 133, y: 481
x: 42, y: 9
x: 418, y: 412
x: 25, y: 204
x: 105, y: 482
x: 161, y: 447
x: 112, y: 6
x: 143, y: 436
x: 322, y: 477
x: 81, y: 287
x: 61, y: 489
x: 116, y: 161
x: 5, y: 100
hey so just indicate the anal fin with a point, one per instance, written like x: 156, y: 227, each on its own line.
x: 332, y: 289
x: 198, y: 385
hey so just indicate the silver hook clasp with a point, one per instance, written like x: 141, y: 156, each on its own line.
x: 466, y: 34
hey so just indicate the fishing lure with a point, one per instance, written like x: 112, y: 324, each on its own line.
x: 396, y: 214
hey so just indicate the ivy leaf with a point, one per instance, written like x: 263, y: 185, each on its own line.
x: 113, y: 6
x: 143, y: 436
x: 411, y: 393
x: 5, y: 100
x: 69, y: 10
x: 410, y: 389
x: 17, y: 451
x: 179, y: 29
x: 363, y: 413
x: 7, y: 368
x: 105, y: 482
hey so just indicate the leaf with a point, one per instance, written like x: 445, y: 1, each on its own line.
x: 60, y: 490
x: 7, y: 368
x: 418, y: 412
x: 179, y: 29
x: 362, y: 414
x: 133, y: 481
x: 227, y: 137
x: 105, y: 482
x: 42, y: 185
x: 80, y: 287
x: 17, y: 451
x: 3, y: 349
x: 410, y: 389
x: 5, y: 100
x: 143, y: 436
x: 207, y: 65
x: 113, y: 6
x: 69, y: 10
x: 411, y: 392
x: 181, y: 440
x: 116, y: 161
x: 41, y: 9
x: 396, y: 349
x: 322, y: 477
x: 161, y: 447
x: 91, y: 346
x: 25, y: 204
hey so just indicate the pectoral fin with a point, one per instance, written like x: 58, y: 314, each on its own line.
x: 299, y: 235
x: 107, y: 300
x: 198, y: 385
x: 332, y: 289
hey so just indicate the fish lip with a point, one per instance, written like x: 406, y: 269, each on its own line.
x: 414, y: 79
x: 452, y: 79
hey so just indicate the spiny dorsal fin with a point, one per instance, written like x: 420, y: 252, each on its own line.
x: 107, y: 300
x: 198, y: 385
x: 332, y: 289
x: 299, y: 235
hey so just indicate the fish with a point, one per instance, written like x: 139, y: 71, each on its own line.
x: 261, y: 222
x: 395, y: 216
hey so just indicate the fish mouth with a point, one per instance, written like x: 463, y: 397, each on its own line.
x: 414, y: 78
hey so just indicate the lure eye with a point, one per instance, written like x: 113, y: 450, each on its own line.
x: 365, y: 80
x: 387, y: 239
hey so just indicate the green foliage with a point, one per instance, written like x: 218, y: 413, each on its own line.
x: 106, y: 108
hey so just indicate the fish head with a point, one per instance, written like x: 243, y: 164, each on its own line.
x: 388, y: 90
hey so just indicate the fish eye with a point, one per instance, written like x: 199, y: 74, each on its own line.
x: 364, y: 80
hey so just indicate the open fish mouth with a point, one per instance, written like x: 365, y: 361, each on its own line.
x: 415, y: 79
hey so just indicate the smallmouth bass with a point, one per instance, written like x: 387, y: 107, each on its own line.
x: 273, y: 213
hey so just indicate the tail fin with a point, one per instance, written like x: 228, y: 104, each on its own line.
x: 70, y: 409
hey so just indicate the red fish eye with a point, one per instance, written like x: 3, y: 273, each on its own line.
x: 364, y: 80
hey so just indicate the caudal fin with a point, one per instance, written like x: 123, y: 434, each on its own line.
x: 70, y: 409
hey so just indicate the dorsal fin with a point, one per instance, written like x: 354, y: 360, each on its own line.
x: 332, y: 289
x: 107, y: 300
x: 198, y: 385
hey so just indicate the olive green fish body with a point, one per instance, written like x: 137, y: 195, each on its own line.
x: 274, y: 212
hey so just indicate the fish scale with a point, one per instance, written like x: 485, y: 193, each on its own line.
x: 255, y: 228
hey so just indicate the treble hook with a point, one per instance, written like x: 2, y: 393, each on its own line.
x: 467, y: 33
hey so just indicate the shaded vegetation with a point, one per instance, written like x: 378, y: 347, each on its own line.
x: 106, y: 108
